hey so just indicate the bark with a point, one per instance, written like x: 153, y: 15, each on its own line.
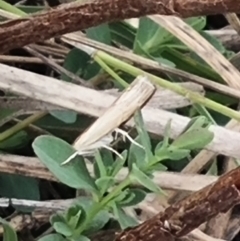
x: 183, y: 217
x: 73, y: 17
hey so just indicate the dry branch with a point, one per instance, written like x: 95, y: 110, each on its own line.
x: 182, y: 217
x: 201, y: 46
x: 93, y: 103
x: 162, y: 99
x: 31, y: 167
x: 229, y: 38
x: 76, y: 16
x: 176, y: 221
x: 77, y: 39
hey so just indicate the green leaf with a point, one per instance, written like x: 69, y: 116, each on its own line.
x: 31, y: 9
x: 62, y: 130
x: 172, y: 154
x: 5, y: 113
x: 81, y: 238
x: 107, y: 157
x: 197, y: 23
x: 104, y: 183
x: 91, y: 70
x: 164, y: 61
x: 196, y: 122
x: 159, y: 147
x: 157, y: 167
x: 167, y: 129
x: 119, y: 163
x: 9, y: 233
x: 152, y: 36
x: 57, y: 217
x: 20, y: 187
x: 124, y: 220
x: 136, y: 154
x: 52, y: 237
x: 120, y: 197
x: 75, y: 216
x: 16, y: 141
x: 52, y: 151
x: 148, y: 35
x: 62, y: 228
x: 123, y: 33
x: 66, y: 116
x: 72, y: 211
x: 104, y: 160
x: 100, y: 33
x: 134, y: 197
x: 194, y: 139
x: 99, y: 220
x: 76, y: 61
x: 141, y: 51
x: 126, y: 199
x: 214, y: 42
x: 137, y: 175
x: 188, y: 64
x: 202, y: 110
x: 144, y: 137
x: 100, y: 168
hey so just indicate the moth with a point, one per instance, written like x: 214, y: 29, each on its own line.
x: 98, y: 135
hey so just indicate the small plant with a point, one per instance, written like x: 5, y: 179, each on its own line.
x: 108, y: 196
x: 9, y: 233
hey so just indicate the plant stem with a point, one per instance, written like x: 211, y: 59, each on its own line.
x: 21, y: 125
x: 99, y: 206
x: 193, y: 96
x: 121, y: 81
x: 203, y: 111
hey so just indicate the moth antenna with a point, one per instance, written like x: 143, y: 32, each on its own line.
x: 125, y: 134
x: 112, y: 150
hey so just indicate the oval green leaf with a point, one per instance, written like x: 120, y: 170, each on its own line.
x: 194, y: 139
x: 62, y: 228
x: 52, y: 151
x: 137, y: 175
x: 124, y: 220
x: 9, y: 233
x: 53, y: 237
x: 66, y: 116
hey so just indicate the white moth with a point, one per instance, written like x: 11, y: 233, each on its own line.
x: 99, y: 134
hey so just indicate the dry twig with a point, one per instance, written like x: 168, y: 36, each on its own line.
x: 77, y: 16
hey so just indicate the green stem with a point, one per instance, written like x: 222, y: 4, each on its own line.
x: 21, y: 125
x: 193, y: 96
x: 203, y: 111
x: 99, y: 206
x: 121, y: 81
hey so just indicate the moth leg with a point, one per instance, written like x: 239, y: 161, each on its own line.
x: 118, y: 132
x: 112, y: 150
x: 125, y: 134
x: 115, y: 135
x: 70, y: 158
